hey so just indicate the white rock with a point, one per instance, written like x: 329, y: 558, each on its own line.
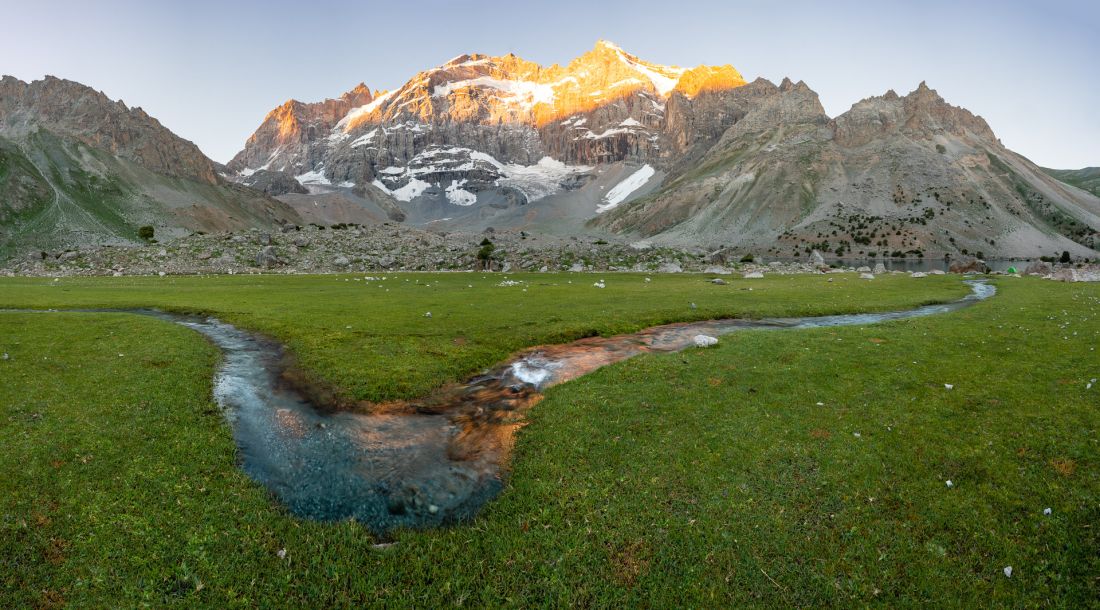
x: 919, y: 274
x: 1008, y: 571
x: 879, y: 269
x: 705, y: 341
x: 1046, y: 511
x: 949, y: 386
x: 428, y: 314
x: 866, y: 276
x: 282, y: 553
x: 949, y: 483
x: 937, y: 272
x: 864, y: 269
x: 755, y: 275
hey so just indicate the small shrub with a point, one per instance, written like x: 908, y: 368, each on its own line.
x: 1065, y: 257
x: 748, y: 258
x: 145, y: 232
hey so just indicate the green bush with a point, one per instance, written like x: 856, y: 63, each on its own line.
x: 145, y: 232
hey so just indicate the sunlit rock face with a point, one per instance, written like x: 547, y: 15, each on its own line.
x: 604, y: 106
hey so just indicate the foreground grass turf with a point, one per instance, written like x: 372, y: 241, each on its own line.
x: 710, y: 477
x: 371, y: 339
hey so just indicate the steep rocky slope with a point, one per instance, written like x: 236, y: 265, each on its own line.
x: 77, y: 168
x: 908, y: 175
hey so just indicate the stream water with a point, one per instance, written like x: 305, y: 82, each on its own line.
x: 432, y: 461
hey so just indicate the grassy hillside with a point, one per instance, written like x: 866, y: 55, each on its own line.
x: 1087, y: 179
x: 57, y: 194
x: 789, y: 468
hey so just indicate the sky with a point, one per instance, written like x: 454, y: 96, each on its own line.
x: 210, y: 70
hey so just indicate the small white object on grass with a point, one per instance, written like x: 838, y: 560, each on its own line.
x: 857, y: 435
x: 948, y: 386
x: 428, y: 314
x: 1008, y: 571
x: 705, y: 341
x: 949, y: 483
x: 1046, y: 511
x: 282, y: 553
x: 821, y: 404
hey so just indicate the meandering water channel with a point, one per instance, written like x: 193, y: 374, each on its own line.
x: 432, y: 461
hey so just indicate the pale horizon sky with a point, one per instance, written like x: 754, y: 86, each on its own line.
x: 210, y: 71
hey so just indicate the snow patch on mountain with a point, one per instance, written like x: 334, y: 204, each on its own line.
x: 314, y: 177
x: 411, y: 190
x: 458, y: 195
x: 441, y: 163
x: 624, y: 189
x: 364, y: 139
x: 523, y: 93
x: 364, y: 110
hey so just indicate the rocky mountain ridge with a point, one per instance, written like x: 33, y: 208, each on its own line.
x: 608, y: 146
x: 613, y: 144
x: 77, y: 168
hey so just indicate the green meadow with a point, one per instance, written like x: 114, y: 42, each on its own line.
x: 780, y: 468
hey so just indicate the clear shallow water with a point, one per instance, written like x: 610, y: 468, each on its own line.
x: 436, y: 460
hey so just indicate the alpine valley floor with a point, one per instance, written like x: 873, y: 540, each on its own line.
x: 785, y: 468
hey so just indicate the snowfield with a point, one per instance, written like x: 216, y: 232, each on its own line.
x: 624, y: 189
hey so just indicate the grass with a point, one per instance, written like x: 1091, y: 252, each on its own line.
x: 372, y: 341
x: 706, y: 478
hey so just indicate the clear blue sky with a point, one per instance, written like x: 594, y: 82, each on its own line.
x: 211, y: 70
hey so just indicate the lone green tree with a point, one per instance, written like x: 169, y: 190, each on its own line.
x: 146, y: 232
x: 1065, y: 257
x: 485, y: 254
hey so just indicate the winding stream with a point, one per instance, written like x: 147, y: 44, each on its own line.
x: 437, y: 460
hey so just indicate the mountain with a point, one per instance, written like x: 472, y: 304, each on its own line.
x: 77, y: 168
x: 479, y: 136
x: 908, y: 174
x: 1087, y: 179
x: 613, y: 144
